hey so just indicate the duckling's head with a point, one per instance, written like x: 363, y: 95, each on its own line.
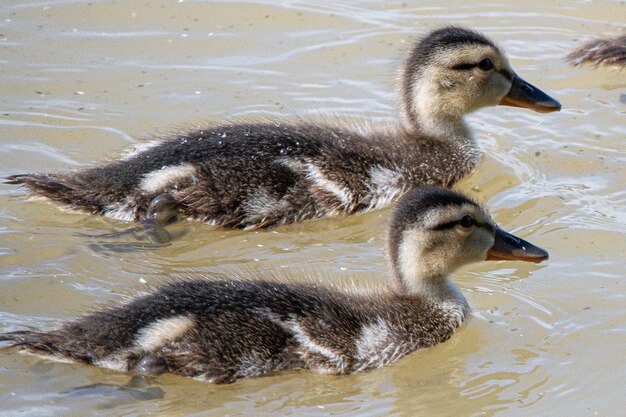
x: 434, y: 231
x: 453, y: 71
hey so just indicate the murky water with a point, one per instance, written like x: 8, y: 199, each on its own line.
x: 82, y: 80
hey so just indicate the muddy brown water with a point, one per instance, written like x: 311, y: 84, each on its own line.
x: 81, y: 81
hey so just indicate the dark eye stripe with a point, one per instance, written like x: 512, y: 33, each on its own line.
x: 485, y: 64
x: 508, y: 75
x: 445, y: 226
x: 450, y: 225
x: 464, y: 67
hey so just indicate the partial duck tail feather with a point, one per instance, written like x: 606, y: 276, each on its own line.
x: 75, y: 192
x: 15, y: 337
x: 52, y: 186
x: 28, y: 338
x: 44, y: 184
x: 46, y: 343
x: 601, y: 51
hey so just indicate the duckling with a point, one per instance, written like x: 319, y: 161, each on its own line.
x: 222, y: 330
x: 601, y: 51
x: 253, y: 175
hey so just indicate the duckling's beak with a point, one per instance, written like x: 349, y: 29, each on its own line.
x: 511, y: 247
x: 523, y: 94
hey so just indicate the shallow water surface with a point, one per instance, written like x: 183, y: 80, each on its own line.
x: 83, y: 80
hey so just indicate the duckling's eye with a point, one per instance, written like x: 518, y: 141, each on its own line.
x: 485, y: 64
x: 467, y: 221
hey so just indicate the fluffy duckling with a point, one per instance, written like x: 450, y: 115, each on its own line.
x: 223, y: 330
x: 266, y: 174
x: 601, y: 51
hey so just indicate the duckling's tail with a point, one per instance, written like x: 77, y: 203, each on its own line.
x: 30, y: 339
x: 45, y: 343
x: 601, y: 51
x: 44, y: 184
x: 24, y: 337
x: 74, y: 191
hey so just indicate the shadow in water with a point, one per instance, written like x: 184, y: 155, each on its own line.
x: 114, y: 395
x: 145, y: 238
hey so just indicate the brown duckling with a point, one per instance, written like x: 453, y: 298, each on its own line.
x: 250, y: 175
x: 222, y: 330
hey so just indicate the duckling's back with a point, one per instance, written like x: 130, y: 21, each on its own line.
x: 259, y: 175
x: 224, y: 330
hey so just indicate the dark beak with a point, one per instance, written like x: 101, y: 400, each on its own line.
x: 512, y: 248
x: 523, y: 94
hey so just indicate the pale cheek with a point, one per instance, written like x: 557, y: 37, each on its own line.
x: 485, y: 95
x: 501, y: 88
x: 473, y: 95
x: 452, y: 254
x: 486, y: 242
